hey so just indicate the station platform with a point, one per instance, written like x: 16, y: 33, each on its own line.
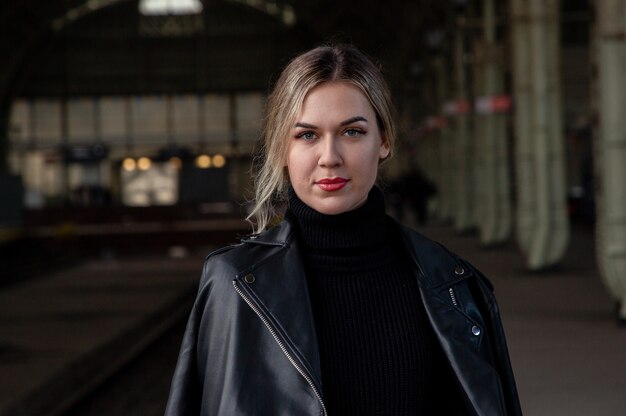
x: 62, y: 333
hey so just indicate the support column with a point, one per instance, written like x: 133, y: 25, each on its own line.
x: 525, y: 170
x: 233, y: 124
x: 462, y: 150
x: 444, y: 138
x: 65, y: 167
x: 550, y: 231
x: 610, y: 159
x: 478, y: 134
x: 494, y: 180
x: 428, y: 162
x: 5, y: 109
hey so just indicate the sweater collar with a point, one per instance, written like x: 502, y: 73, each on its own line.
x: 362, y: 227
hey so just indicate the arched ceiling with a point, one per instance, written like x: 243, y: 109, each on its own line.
x: 68, y: 47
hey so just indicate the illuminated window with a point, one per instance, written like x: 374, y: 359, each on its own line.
x: 162, y: 7
x: 170, y: 18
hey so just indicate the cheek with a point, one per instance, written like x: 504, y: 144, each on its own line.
x: 369, y: 165
x: 289, y: 157
x: 373, y: 159
x: 294, y: 164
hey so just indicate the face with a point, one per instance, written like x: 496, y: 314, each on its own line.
x: 334, y: 149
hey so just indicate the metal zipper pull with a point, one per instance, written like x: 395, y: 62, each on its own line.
x: 452, y: 297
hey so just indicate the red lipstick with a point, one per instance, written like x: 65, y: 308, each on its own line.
x: 331, y: 184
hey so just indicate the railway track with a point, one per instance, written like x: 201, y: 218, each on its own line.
x: 140, y: 386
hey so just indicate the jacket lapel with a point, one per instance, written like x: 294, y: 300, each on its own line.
x: 279, y: 287
x: 438, y: 272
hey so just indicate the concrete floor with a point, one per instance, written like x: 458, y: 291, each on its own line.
x: 568, y: 353
x: 62, y: 334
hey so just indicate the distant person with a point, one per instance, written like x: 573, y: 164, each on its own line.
x: 420, y: 190
x: 338, y: 309
x: 411, y: 192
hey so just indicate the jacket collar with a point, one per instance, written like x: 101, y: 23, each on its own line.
x: 279, y: 235
x: 436, y: 265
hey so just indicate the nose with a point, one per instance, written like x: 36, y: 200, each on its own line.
x: 330, y: 153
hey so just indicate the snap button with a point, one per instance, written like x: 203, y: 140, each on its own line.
x: 476, y: 330
x: 459, y: 270
x: 249, y: 278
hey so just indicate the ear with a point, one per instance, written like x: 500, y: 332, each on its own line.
x: 384, y: 148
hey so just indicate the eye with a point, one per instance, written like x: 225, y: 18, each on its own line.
x: 306, y: 135
x: 352, y: 132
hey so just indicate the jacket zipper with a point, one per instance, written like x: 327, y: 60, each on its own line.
x: 280, y: 343
x: 453, y: 297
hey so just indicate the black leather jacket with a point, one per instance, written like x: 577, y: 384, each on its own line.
x: 250, y: 346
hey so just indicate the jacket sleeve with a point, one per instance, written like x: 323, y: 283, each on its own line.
x: 185, y: 391
x: 483, y: 293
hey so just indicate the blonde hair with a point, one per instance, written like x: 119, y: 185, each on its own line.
x: 342, y: 63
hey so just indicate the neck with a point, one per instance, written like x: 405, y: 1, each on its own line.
x: 362, y: 227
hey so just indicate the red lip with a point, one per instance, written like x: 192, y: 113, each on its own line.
x: 331, y: 184
x: 331, y: 180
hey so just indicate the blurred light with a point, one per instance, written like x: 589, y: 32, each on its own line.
x: 144, y: 163
x: 80, y: 11
x: 203, y: 161
x: 176, y: 162
x: 219, y: 161
x: 129, y: 164
x: 163, y: 7
x: 272, y: 8
x: 289, y: 16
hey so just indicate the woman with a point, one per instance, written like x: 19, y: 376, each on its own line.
x: 338, y: 309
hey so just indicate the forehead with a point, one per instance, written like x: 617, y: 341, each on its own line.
x: 336, y: 99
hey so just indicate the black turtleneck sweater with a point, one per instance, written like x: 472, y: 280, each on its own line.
x: 378, y: 352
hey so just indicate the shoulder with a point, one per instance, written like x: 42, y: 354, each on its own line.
x: 425, y: 249
x: 227, y: 263
x: 438, y: 264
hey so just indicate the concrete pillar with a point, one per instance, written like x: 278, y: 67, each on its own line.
x: 431, y: 144
x: 5, y: 109
x: 65, y: 134
x: 550, y: 228
x: 427, y: 154
x: 610, y: 159
x: 446, y: 185
x: 233, y: 124
x: 478, y: 133
x: 524, y: 166
x: 494, y: 180
x: 428, y: 160
x: 462, y: 146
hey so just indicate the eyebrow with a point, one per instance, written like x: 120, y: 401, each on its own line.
x: 343, y: 123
